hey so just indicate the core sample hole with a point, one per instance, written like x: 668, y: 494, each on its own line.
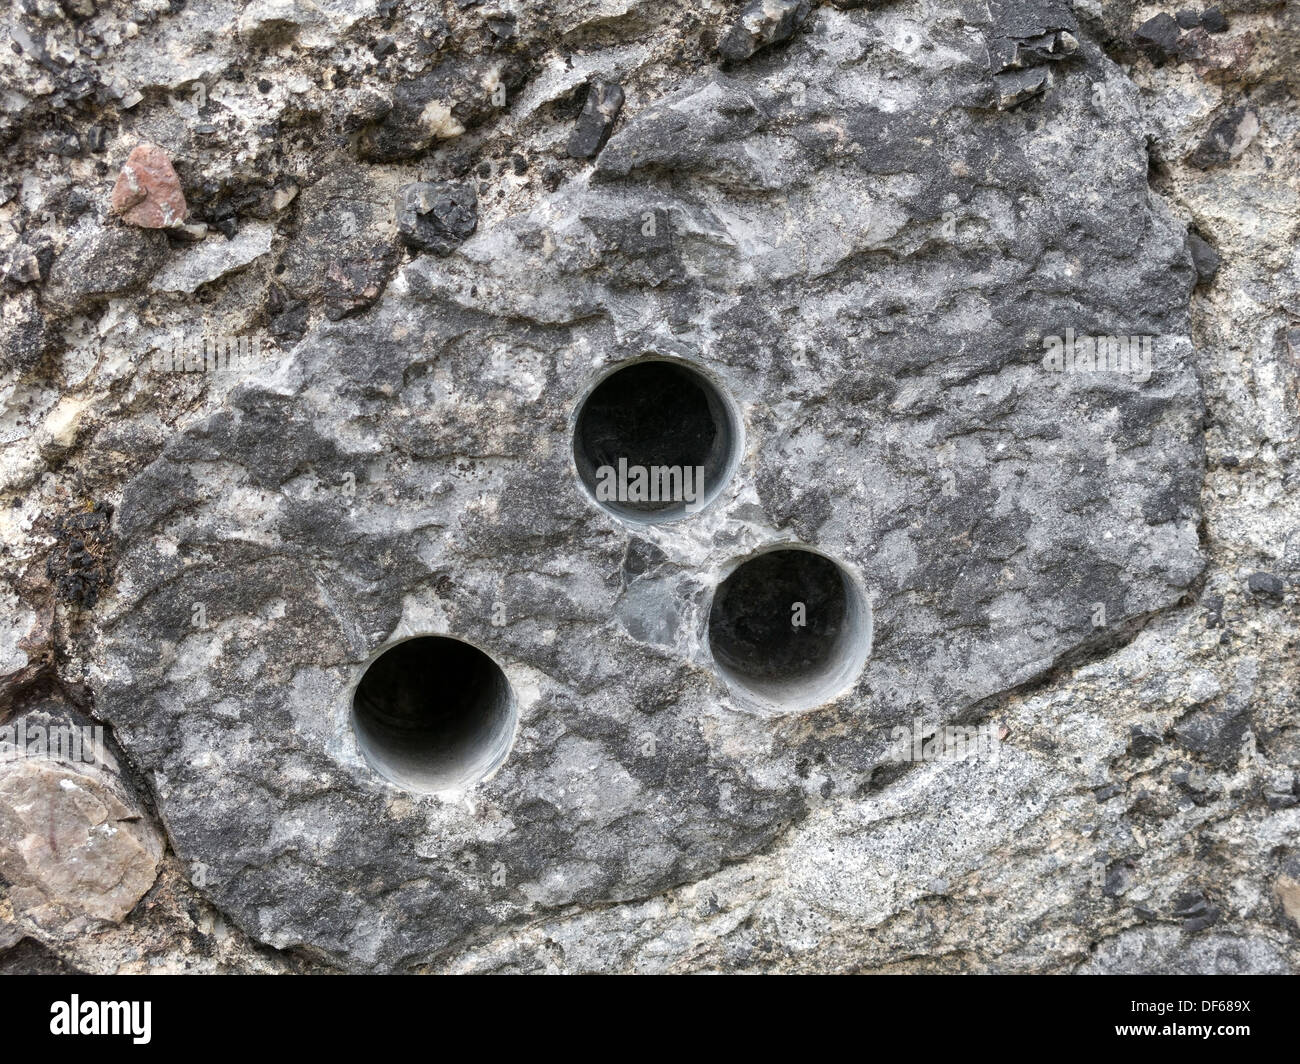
x: 654, y: 441
x: 790, y: 627
x: 433, y: 713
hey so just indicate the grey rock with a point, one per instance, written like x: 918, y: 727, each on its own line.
x: 596, y: 122
x: 1196, y: 911
x: 26, y: 334
x: 1017, y: 86
x: 23, y: 266
x: 1158, y: 36
x: 762, y: 23
x: 353, y: 285
x: 1212, y: 18
x: 1228, y: 137
x: 214, y: 258
x: 103, y: 261
x: 1204, y: 258
x: 436, y: 217
x: 343, y: 218
x: 458, y: 95
x: 1216, y: 735
x: 1267, y: 585
x: 896, y: 415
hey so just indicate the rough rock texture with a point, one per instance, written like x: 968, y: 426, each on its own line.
x: 148, y: 192
x: 865, y: 229
x: 79, y: 847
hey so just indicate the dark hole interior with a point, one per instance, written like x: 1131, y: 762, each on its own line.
x: 751, y: 629
x: 433, y: 712
x: 653, y: 414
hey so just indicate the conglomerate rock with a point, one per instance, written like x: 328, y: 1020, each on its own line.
x: 872, y: 290
x: 992, y: 307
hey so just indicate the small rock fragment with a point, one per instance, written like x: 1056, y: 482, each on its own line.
x: 436, y: 217
x: 102, y: 262
x: 1187, y: 18
x: 604, y: 101
x: 1228, y: 138
x: 1213, y: 21
x: 1158, y: 36
x: 355, y: 285
x: 1016, y: 86
x: 26, y: 334
x: 80, y: 847
x: 214, y: 258
x: 1265, y: 584
x: 80, y: 564
x: 1204, y: 258
x: 1230, y: 135
x: 762, y: 23
x: 148, y: 193
x: 1196, y: 911
x: 288, y: 318
x: 23, y: 267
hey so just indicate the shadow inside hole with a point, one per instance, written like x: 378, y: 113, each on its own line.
x: 788, y: 626
x: 655, y: 415
x: 433, y: 713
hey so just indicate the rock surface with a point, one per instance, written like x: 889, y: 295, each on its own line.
x: 977, y: 499
x: 866, y: 226
x: 79, y: 848
x: 148, y: 192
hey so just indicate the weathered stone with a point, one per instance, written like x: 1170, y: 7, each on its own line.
x: 441, y: 105
x: 342, y: 218
x: 1266, y: 584
x: 23, y: 266
x: 1204, y: 258
x: 1158, y: 36
x: 436, y: 218
x: 1228, y: 137
x: 79, y: 847
x: 1213, y: 20
x: 26, y: 334
x: 104, y: 261
x: 594, y: 125
x: 447, y: 411
x: 1017, y: 86
x: 852, y: 241
x: 762, y: 23
x: 353, y: 285
x: 213, y: 258
x: 148, y: 192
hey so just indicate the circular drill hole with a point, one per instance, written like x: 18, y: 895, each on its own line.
x: 790, y: 627
x: 433, y: 713
x: 654, y: 441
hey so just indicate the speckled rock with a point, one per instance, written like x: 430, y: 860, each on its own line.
x: 999, y: 517
x: 863, y: 235
x: 80, y: 850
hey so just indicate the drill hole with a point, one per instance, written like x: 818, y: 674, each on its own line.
x: 789, y: 627
x: 433, y: 713
x: 655, y: 441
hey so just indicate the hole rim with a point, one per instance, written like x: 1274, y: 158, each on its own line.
x: 479, y: 770
x: 719, y: 398
x: 848, y: 659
